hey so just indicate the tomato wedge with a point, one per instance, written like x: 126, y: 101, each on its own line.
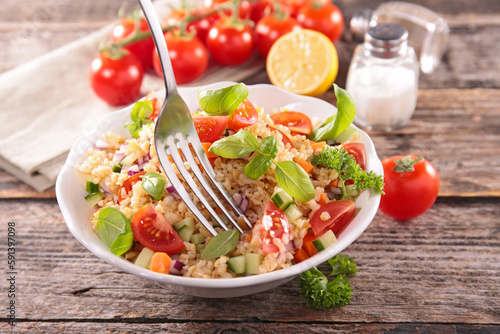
x: 340, y: 213
x: 357, y: 150
x: 153, y: 231
x: 286, y: 139
x: 243, y: 116
x: 297, y: 122
x: 274, y: 225
x: 129, y: 183
x: 210, y: 128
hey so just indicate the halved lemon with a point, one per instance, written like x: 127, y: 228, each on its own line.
x: 303, y: 62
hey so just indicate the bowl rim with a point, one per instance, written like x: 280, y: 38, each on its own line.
x: 216, y: 283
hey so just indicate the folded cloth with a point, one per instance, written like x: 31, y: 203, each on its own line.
x: 47, y: 103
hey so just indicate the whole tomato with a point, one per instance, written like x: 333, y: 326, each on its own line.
x: 117, y: 78
x: 142, y: 49
x: 263, y: 8
x: 272, y: 27
x: 324, y: 17
x: 411, y: 186
x: 230, y: 43
x: 201, y: 26
x: 188, y: 55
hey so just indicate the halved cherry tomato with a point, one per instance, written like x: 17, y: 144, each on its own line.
x: 340, y: 213
x: 243, y: 116
x: 210, y: 128
x: 297, y: 122
x: 274, y: 225
x: 153, y: 231
x: 286, y: 139
x: 357, y: 150
x: 129, y: 183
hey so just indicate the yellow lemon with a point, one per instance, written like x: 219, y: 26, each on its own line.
x: 303, y: 62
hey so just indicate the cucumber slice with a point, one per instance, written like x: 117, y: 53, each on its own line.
x: 293, y: 213
x: 185, y: 228
x: 144, y: 258
x: 127, y: 160
x: 282, y: 200
x: 348, y: 189
x: 117, y: 168
x: 325, y: 241
x: 223, y: 217
x: 94, y: 198
x: 92, y: 187
x: 198, y: 238
x: 237, y: 264
x: 253, y: 261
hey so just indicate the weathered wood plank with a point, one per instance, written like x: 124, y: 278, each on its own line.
x: 439, y: 268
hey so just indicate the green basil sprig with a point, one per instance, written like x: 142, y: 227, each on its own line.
x: 139, y: 117
x: 336, y: 124
x: 153, y: 183
x: 221, y: 244
x: 114, y: 228
x: 222, y: 101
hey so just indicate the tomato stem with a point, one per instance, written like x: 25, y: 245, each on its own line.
x: 406, y: 164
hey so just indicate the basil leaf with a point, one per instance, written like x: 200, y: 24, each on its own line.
x: 153, y: 183
x: 258, y: 166
x: 222, y: 101
x: 139, y: 117
x: 270, y: 146
x: 221, y: 244
x: 335, y: 125
x: 294, y: 180
x: 235, y: 146
x: 112, y: 225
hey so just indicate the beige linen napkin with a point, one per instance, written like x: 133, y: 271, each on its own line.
x: 46, y: 104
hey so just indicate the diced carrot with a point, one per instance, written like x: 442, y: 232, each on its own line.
x: 300, y: 255
x: 334, y: 183
x: 319, y: 144
x: 305, y: 165
x: 308, y: 244
x: 250, y: 237
x: 323, y: 199
x: 180, y: 153
x: 209, y: 155
x: 218, y: 210
x: 160, y: 263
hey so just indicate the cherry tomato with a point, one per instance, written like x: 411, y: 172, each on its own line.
x: 293, y: 6
x: 260, y: 9
x: 229, y: 44
x: 200, y: 26
x: 116, y: 80
x: 153, y: 231
x: 340, y: 213
x: 142, y: 49
x: 210, y: 128
x: 408, y: 193
x: 274, y: 225
x: 270, y: 28
x: 188, y: 55
x: 156, y: 105
x: 327, y: 19
x: 286, y: 139
x: 243, y: 116
x: 297, y: 122
x: 357, y: 150
x: 129, y: 183
x: 244, y: 8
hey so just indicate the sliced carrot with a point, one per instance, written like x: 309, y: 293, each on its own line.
x: 300, y: 255
x: 209, y: 155
x: 319, y: 144
x: 308, y: 244
x: 160, y: 263
x: 323, y: 199
x: 305, y: 165
x: 334, y: 183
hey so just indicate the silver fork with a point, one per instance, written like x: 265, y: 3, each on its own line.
x: 175, y: 132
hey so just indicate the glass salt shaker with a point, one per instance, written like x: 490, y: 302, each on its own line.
x: 383, y: 78
x: 428, y: 32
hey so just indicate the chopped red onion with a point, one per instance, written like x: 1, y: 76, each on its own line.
x: 105, y: 189
x: 118, y: 157
x: 133, y: 170
x: 175, y: 256
x: 333, y: 192
x: 237, y: 199
x: 245, y: 203
x: 101, y: 144
x: 290, y: 246
x: 171, y: 190
x: 176, y: 267
x: 281, y: 256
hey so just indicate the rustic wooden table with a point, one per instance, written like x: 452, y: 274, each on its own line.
x: 439, y: 273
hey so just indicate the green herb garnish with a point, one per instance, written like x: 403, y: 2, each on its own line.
x: 222, y: 101
x: 113, y: 227
x: 221, y: 244
x: 342, y: 265
x: 139, y: 117
x: 153, y: 183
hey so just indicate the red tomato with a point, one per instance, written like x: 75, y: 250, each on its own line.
x: 129, y: 183
x: 188, y: 55
x: 142, y: 49
x: 153, y: 231
x: 243, y: 116
x: 210, y: 128
x: 293, y: 6
x: 297, y: 122
x: 270, y: 28
x: 408, y: 194
x: 357, y: 150
x: 201, y: 26
x: 260, y: 9
x: 286, y: 139
x: 340, y: 213
x: 244, y: 8
x: 230, y: 45
x: 274, y: 225
x: 116, y: 80
x: 327, y: 19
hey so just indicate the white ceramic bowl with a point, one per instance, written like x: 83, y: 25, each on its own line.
x: 76, y: 211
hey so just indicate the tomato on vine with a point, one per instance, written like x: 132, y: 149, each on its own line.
x: 322, y: 16
x: 272, y: 27
x: 230, y: 42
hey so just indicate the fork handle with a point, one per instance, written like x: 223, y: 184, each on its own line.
x: 161, y: 45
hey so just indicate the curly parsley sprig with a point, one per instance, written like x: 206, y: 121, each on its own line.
x: 347, y: 168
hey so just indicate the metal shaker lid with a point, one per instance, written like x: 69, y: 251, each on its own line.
x: 386, y: 40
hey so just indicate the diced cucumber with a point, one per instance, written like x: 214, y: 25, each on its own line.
x: 237, y: 264
x: 293, y: 213
x: 144, y: 258
x: 282, y: 200
x: 223, y: 217
x: 253, y: 261
x: 117, y: 168
x: 200, y: 248
x: 92, y: 187
x: 348, y: 189
x: 128, y: 159
x: 327, y: 239
x: 94, y: 198
x: 198, y: 238
x: 185, y: 228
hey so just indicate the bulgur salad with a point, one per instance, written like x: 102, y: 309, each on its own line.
x: 295, y: 183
